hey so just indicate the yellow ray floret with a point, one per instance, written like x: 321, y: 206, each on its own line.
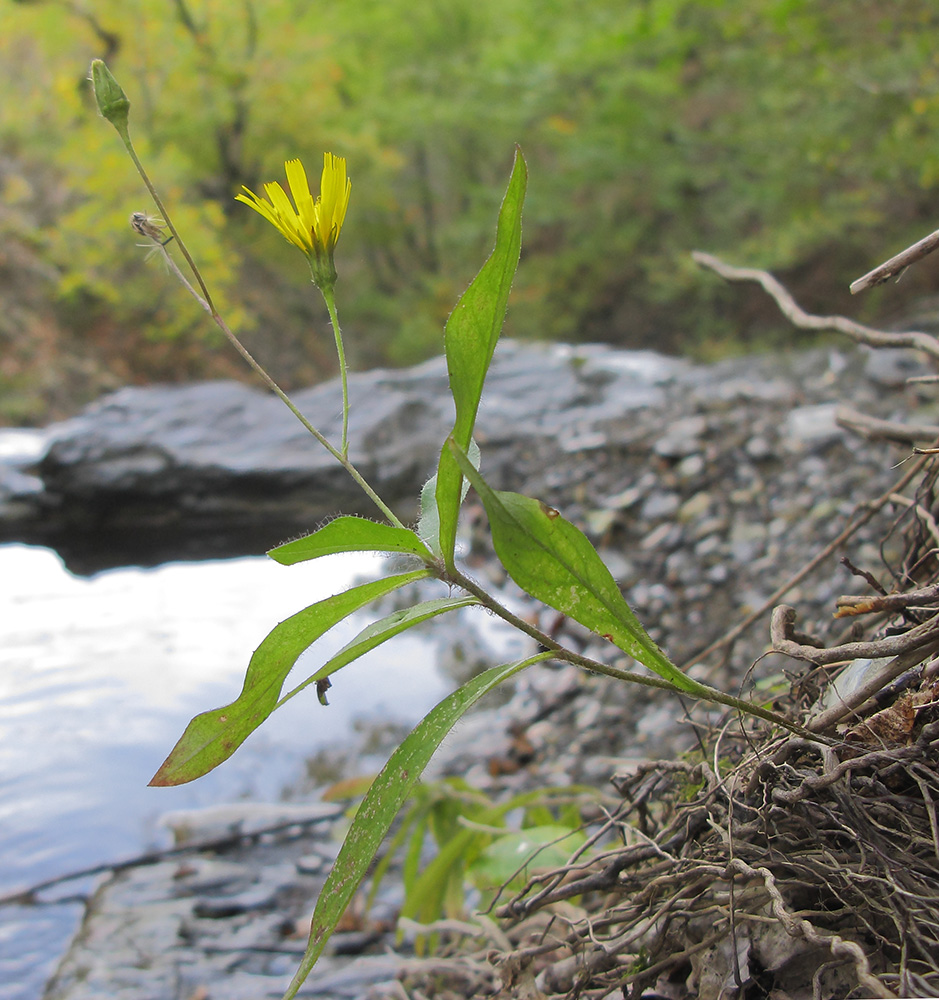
x: 312, y: 225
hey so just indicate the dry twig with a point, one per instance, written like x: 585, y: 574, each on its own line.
x: 864, y: 604
x: 785, y: 640
x: 796, y: 315
x: 885, y: 430
x: 719, y: 876
x: 898, y: 264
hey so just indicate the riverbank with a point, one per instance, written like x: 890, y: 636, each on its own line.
x: 148, y: 475
x: 231, y: 920
x: 708, y: 493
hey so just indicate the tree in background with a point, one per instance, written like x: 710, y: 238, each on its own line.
x: 786, y: 134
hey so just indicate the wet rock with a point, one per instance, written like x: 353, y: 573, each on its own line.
x: 891, y: 367
x: 660, y: 505
x: 812, y: 425
x: 20, y: 488
x: 681, y: 438
x: 244, y: 819
x: 232, y: 924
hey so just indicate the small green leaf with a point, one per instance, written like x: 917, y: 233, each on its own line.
x: 433, y: 893
x: 424, y: 899
x: 472, y: 332
x: 553, y: 560
x: 381, y: 631
x: 385, y: 797
x: 428, y: 525
x: 350, y: 534
x: 214, y: 736
x: 510, y: 859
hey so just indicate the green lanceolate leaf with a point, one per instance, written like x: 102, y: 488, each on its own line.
x: 381, y: 631
x: 385, y: 797
x: 471, y: 335
x: 214, y: 736
x: 350, y: 534
x: 553, y: 560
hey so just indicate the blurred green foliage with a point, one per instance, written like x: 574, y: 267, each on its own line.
x: 788, y: 134
x: 471, y: 838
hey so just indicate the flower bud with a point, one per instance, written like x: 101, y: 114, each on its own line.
x: 112, y: 101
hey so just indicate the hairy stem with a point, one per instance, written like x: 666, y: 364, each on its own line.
x: 205, y: 300
x: 705, y: 692
x: 330, y: 300
x: 158, y: 201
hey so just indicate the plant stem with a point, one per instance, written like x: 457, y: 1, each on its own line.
x: 205, y: 300
x: 704, y: 692
x: 208, y: 303
x: 343, y: 459
x: 330, y: 300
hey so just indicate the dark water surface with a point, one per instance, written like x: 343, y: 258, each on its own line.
x: 98, y: 678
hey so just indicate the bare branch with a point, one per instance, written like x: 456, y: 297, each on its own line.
x: 806, y: 321
x: 889, y: 430
x: 782, y: 632
x: 924, y: 515
x: 858, y: 604
x: 897, y: 265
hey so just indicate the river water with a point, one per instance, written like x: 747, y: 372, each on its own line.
x: 98, y: 678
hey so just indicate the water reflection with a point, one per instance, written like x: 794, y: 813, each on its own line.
x: 101, y: 675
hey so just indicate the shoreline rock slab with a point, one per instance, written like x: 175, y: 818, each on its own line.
x: 213, y: 470
x: 203, y: 470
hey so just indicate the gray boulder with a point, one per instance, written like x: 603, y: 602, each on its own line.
x: 217, y: 468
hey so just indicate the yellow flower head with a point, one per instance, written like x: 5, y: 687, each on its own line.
x: 314, y: 225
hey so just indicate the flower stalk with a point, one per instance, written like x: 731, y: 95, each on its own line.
x: 330, y: 301
x: 313, y: 225
x: 114, y: 106
x: 340, y: 456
